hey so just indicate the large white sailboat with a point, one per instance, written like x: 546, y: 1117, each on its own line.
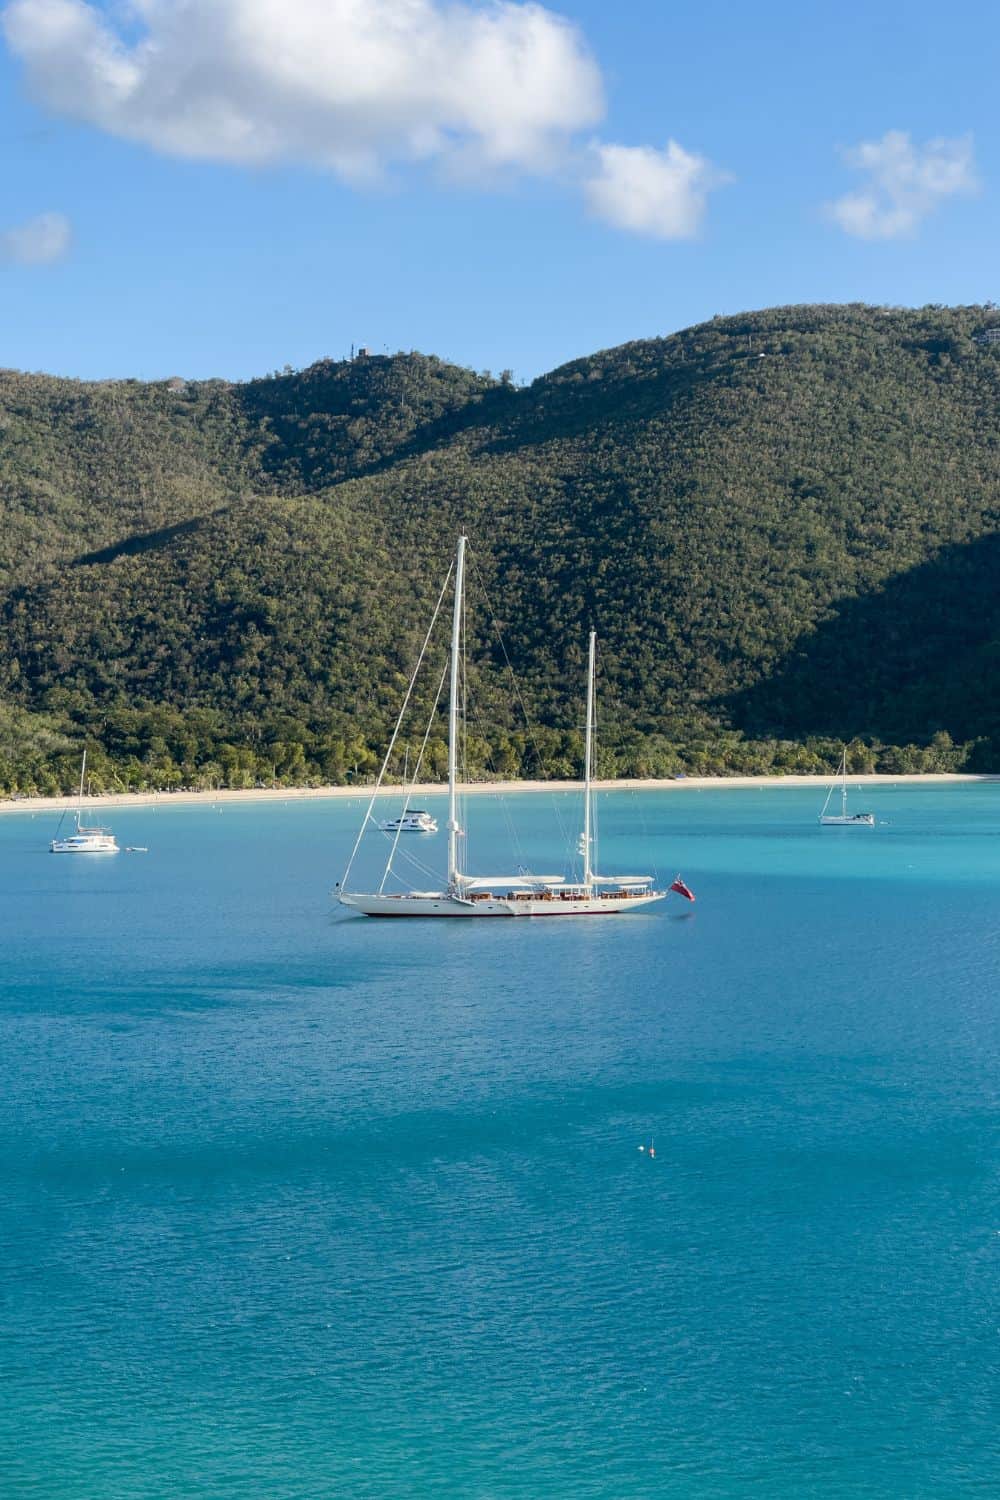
x: 521, y: 895
x: 844, y: 819
x: 85, y: 840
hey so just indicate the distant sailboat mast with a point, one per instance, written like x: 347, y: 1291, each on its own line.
x: 83, y: 773
x: 843, y: 819
x: 843, y: 784
x: 84, y: 840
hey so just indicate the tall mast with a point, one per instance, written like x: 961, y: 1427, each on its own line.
x: 843, y: 786
x: 83, y: 772
x: 587, y: 767
x: 456, y: 649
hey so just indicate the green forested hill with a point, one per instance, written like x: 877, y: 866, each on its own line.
x: 783, y: 525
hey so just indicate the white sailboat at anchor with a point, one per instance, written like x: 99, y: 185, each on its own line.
x: 521, y: 895
x: 844, y: 819
x: 85, y: 840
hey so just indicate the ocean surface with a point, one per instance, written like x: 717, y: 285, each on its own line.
x: 297, y: 1204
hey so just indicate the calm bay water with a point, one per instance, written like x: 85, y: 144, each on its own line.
x: 303, y: 1205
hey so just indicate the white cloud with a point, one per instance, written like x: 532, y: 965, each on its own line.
x: 354, y: 87
x: 658, y: 193
x: 39, y: 242
x: 905, y: 184
x: 346, y: 85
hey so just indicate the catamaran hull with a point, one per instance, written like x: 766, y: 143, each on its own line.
x: 521, y: 906
x: 59, y: 848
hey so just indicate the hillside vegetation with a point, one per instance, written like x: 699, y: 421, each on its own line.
x: 784, y: 527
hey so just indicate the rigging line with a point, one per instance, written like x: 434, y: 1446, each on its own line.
x: 564, y: 836
x: 416, y: 774
x: 420, y: 866
x: 395, y: 733
x: 405, y: 854
x: 423, y: 869
x: 647, y: 838
x: 515, y: 842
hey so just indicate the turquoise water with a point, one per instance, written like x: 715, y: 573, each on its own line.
x: 300, y: 1205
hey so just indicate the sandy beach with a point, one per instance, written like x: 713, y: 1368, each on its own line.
x: 482, y: 789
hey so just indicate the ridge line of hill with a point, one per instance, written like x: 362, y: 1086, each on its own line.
x: 784, y: 525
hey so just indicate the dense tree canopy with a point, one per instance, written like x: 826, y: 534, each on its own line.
x: 783, y: 526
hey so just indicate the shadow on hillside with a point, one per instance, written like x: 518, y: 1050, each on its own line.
x: 921, y: 654
x: 590, y: 396
x: 132, y: 546
x: 564, y: 405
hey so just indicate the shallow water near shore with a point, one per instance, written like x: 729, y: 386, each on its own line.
x: 298, y: 1204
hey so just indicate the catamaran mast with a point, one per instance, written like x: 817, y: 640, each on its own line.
x: 587, y: 768
x: 843, y: 786
x: 456, y: 646
x: 83, y: 772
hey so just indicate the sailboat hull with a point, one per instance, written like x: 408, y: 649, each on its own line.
x: 431, y: 904
x: 522, y: 895
x: 844, y: 819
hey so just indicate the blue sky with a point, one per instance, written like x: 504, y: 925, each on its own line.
x: 215, y: 206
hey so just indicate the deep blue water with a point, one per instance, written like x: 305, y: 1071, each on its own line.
x: 302, y: 1205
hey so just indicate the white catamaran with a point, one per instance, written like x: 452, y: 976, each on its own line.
x: 844, y: 819
x: 412, y: 820
x: 522, y: 895
x: 85, y: 840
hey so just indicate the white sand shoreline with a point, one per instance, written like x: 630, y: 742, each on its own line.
x: 483, y: 788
